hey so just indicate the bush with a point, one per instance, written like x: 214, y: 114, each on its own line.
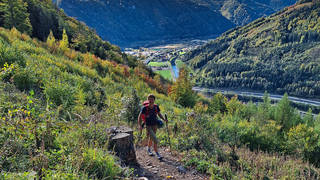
x: 10, y: 55
x: 56, y: 175
x: 24, y: 79
x: 302, y: 139
x: 21, y: 176
x: 99, y: 164
x: 60, y: 94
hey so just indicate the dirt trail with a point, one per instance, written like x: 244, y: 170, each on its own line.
x: 168, y: 168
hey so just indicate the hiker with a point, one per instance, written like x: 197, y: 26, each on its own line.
x: 150, y: 112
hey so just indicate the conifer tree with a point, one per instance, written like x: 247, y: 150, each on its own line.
x: 218, y: 103
x: 181, y: 91
x: 64, y: 42
x: 51, y: 40
x: 308, y: 118
x: 15, y: 14
x: 284, y: 114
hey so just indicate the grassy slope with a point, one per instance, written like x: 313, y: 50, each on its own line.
x: 53, y: 128
x: 68, y: 87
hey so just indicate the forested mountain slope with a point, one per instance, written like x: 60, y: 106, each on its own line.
x: 241, y: 12
x: 279, y: 53
x: 143, y: 22
x: 37, y: 18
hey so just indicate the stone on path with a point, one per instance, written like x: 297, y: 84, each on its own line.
x: 181, y: 169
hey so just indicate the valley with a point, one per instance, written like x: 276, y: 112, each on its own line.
x: 165, y: 59
x: 70, y: 102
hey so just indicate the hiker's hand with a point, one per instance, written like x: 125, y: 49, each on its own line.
x: 140, y: 128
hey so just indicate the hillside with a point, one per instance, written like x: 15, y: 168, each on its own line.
x: 37, y: 18
x: 242, y: 12
x: 279, y: 53
x: 56, y: 104
x: 140, y: 23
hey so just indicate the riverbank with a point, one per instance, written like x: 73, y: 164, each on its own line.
x: 246, y: 96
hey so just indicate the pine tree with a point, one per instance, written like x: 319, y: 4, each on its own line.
x: 218, y: 104
x: 64, y: 42
x: 181, y: 91
x: 308, y: 118
x: 51, y: 40
x: 15, y: 14
x: 284, y: 114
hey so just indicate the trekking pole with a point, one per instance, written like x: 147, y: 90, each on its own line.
x: 139, y: 136
x: 168, y: 131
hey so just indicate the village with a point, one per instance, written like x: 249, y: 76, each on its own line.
x: 165, y: 60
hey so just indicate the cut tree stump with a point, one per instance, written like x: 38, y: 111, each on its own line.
x: 122, y: 143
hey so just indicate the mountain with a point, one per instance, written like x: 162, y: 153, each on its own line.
x: 279, y: 53
x: 142, y: 22
x: 242, y: 12
x: 59, y: 108
x: 38, y: 18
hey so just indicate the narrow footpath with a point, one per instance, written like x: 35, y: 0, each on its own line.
x: 150, y: 168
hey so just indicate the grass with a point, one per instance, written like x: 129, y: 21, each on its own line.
x: 179, y: 63
x: 165, y: 73
x: 159, y: 64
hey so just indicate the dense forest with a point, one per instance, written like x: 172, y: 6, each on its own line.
x: 279, y: 53
x: 56, y: 103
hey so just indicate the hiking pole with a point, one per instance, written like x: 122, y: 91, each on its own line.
x: 139, y: 136
x: 168, y: 130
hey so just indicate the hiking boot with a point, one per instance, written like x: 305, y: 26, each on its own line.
x: 149, y: 152
x: 159, y: 156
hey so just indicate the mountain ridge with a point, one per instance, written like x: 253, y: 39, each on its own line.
x: 133, y: 24
x: 276, y: 53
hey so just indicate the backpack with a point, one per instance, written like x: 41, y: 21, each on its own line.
x: 143, y: 116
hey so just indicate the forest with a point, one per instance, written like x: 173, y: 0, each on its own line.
x: 56, y: 103
x: 278, y: 54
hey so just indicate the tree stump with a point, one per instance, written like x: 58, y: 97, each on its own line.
x: 122, y: 143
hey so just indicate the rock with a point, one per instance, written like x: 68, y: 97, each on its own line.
x: 142, y: 178
x: 181, y: 169
x: 155, y: 169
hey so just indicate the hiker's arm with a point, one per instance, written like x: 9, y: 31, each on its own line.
x: 160, y: 115
x: 139, y: 120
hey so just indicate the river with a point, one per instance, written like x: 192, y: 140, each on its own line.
x: 175, y: 70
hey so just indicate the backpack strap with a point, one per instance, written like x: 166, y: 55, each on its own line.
x: 156, y: 109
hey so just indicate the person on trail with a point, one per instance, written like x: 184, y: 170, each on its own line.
x: 151, y: 112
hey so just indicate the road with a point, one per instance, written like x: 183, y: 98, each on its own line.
x: 259, y: 95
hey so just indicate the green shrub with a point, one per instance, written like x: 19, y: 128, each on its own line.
x: 220, y: 173
x: 10, y: 55
x: 15, y: 155
x: 21, y: 176
x: 56, y: 175
x: 7, y: 72
x: 60, y: 94
x: 23, y: 79
x: 302, y: 139
x: 99, y: 164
